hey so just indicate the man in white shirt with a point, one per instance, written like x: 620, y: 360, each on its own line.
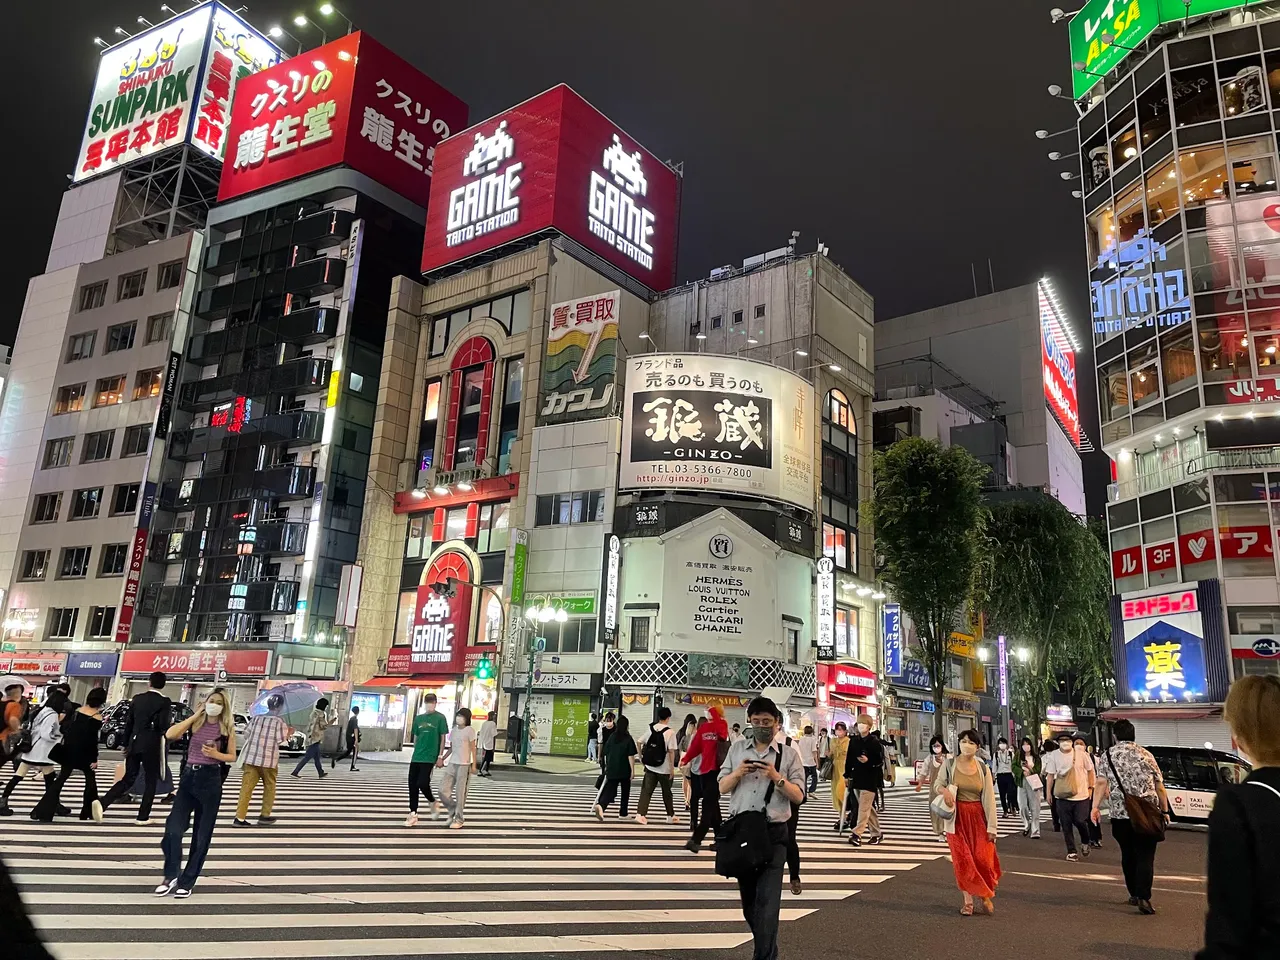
x: 809, y: 759
x: 659, y: 759
x: 1052, y: 764
x: 487, y: 741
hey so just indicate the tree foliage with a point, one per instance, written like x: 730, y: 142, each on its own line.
x: 929, y: 528
x: 1045, y: 584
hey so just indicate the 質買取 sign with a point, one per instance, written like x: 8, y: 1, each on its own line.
x: 717, y: 424
x: 1128, y: 22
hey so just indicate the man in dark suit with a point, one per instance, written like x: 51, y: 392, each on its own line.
x: 144, y: 729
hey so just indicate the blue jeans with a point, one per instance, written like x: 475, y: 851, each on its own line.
x: 199, y: 794
x: 313, y: 753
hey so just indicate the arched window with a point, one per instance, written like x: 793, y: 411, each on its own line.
x: 839, y: 412
x: 839, y: 482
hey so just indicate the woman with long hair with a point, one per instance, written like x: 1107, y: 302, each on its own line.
x: 213, y: 744
x: 79, y: 752
x: 969, y: 791
x: 1029, y: 790
x: 929, y: 775
x: 619, y: 768
x: 683, y: 739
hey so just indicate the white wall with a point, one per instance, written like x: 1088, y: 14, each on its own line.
x: 85, y: 220
x: 1066, y: 473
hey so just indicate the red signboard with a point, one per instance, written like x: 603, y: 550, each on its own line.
x: 555, y: 162
x: 442, y: 624
x: 398, y: 661
x: 351, y: 102
x: 1237, y: 542
x: 1160, y: 605
x: 1059, y: 373
x: 1162, y: 556
x: 34, y: 664
x: 1126, y: 562
x: 199, y: 662
x: 137, y: 558
x: 852, y: 681
x: 1196, y: 547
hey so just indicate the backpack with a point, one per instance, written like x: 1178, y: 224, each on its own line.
x: 21, y: 742
x: 654, y: 753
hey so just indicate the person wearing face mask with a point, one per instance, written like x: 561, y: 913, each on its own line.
x: 969, y: 789
x: 1008, y: 787
x: 929, y: 775
x: 460, y: 764
x: 864, y: 771
x: 1244, y: 832
x: 1130, y: 770
x: 1071, y: 786
x: 761, y: 774
x: 839, y: 756
x: 429, y: 730
x: 321, y: 719
x: 1029, y: 790
x: 608, y: 725
x: 486, y: 743
x: 213, y: 744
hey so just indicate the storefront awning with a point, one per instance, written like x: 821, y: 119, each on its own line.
x: 407, y: 681
x: 1162, y: 713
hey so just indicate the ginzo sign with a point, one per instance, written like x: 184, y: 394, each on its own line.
x: 554, y: 162
x: 351, y: 102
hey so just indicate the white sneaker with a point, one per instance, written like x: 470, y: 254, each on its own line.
x: 599, y: 812
x: 437, y: 808
x: 181, y: 893
x: 411, y: 820
x: 456, y: 825
x: 141, y: 823
x: 641, y: 820
x: 166, y: 888
x: 95, y: 810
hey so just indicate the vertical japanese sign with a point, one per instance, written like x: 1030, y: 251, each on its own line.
x: 349, y: 102
x: 612, y: 563
x: 164, y: 418
x: 826, y: 632
x: 891, y: 617
x: 519, y: 564
x: 137, y: 559
x: 580, y: 371
x: 235, y: 52
x: 718, y: 424
x: 1003, y: 653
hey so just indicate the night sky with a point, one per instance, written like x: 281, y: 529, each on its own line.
x: 899, y: 134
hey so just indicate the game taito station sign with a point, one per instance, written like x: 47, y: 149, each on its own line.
x: 1128, y: 22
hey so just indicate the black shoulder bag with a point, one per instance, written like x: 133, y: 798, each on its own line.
x: 743, y: 848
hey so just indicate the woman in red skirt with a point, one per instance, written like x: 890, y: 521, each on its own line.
x: 968, y: 788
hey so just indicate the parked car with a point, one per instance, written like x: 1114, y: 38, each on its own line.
x: 111, y: 735
x: 1192, y: 777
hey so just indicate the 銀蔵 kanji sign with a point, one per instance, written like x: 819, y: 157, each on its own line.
x: 171, y: 84
x: 554, y: 161
x: 351, y: 102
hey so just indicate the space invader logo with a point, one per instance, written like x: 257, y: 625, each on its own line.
x: 491, y: 201
x: 614, y: 213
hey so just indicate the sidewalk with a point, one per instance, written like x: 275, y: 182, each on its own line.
x: 538, y: 763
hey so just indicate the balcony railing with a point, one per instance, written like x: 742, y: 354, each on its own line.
x: 278, y: 483
x: 257, y: 596
x: 1244, y: 459
x: 269, y: 538
x: 292, y: 429
x: 301, y: 376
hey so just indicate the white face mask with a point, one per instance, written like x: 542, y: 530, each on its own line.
x: 1064, y: 747
x: 213, y: 709
x: 863, y: 729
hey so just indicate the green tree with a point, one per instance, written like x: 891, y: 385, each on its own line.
x: 929, y: 521
x: 1045, y: 585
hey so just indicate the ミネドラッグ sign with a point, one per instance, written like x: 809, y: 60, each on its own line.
x: 351, y: 102
x: 554, y: 161
x: 168, y: 85
x: 717, y: 424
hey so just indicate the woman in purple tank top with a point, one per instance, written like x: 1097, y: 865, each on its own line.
x: 213, y: 745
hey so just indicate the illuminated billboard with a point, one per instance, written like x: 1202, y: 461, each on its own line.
x: 554, y: 162
x: 170, y: 85
x: 1147, y: 289
x: 1058, y: 361
x: 351, y: 102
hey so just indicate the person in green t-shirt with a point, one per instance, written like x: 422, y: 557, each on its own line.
x: 619, y: 766
x: 429, y: 730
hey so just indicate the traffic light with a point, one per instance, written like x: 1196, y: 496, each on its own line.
x: 484, y: 669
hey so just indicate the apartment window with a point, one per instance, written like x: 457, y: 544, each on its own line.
x: 93, y: 295
x: 640, y: 634
x: 717, y: 322
x: 70, y: 399
x: 575, y: 635
x: 86, y: 503
x: 102, y: 620
x: 356, y: 382
x: 835, y: 544
x: 417, y: 542
x: 115, y: 556
x: 124, y: 499
x: 62, y: 622
x: 737, y: 317
x: 136, y: 440
x: 109, y: 390
x: 57, y: 453
x: 169, y: 275
x: 793, y: 644
x: 132, y: 285
x: 581, y: 507
x: 45, y: 509
x: 759, y: 310
x: 431, y: 405
x: 493, y: 532
x: 120, y: 336
x: 75, y: 563
x: 158, y: 327
x: 147, y: 384
x: 35, y: 564
x: 80, y: 347
x: 97, y: 446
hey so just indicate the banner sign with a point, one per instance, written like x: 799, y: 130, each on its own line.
x: 442, y: 624
x: 34, y: 664
x: 199, y: 662
x: 826, y: 609
x: 892, y: 620
x: 137, y: 559
x: 580, y: 370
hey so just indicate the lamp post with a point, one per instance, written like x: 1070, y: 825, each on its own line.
x: 539, y: 615
x: 329, y: 10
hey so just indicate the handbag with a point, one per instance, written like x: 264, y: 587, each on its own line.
x: 825, y: 771
x: 1145, y: 817
x: 743, y: 847
x: 938, y: 805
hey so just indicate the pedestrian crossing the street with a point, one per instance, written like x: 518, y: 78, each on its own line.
x: 340, y: 875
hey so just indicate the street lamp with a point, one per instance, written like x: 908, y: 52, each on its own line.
x: 275, y: 32
x: 301, y: 21
x: 535, y: 615
x: 329, y: 10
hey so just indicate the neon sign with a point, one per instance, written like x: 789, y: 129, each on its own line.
x: 1183, y: 601
x: 1059, y: 374
x: 1124, y: 302
x: 613, y: 214
x: 233, y: 414
x: 490, y: 202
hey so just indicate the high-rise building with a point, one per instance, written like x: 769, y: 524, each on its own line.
x: 1178, y: 175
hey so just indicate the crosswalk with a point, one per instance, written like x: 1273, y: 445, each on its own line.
x: 532, y: 873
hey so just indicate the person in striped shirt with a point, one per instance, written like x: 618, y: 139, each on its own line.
x: 261, y: 754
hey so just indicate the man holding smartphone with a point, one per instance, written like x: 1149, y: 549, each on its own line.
x: 753, y: 765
